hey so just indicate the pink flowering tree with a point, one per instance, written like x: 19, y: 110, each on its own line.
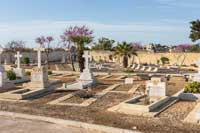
x: 45, y: 42
x: 80, y: 36
x: 183, y: 47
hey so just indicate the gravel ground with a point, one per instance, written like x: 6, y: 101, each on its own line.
x: 168, y: 121
x: 178, y: 111
x: 124, y: 87
x: 96, y: 113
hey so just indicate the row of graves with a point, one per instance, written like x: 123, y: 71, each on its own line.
x: 91, y: 97
x: 153, y: 68
x: 160, y: 100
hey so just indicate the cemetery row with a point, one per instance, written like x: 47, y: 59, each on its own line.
x: 105, y: 99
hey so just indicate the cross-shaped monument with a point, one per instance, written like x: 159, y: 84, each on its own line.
x: 39, y: 50
x: 87, y: 57
x: 18, y: 56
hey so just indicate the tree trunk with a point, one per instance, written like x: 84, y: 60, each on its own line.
x: 81, y: 60
x: 72, y: 63
x: 47, y: 54
x: 125, y: 61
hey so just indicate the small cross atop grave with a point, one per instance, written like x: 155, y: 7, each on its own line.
x: 87, y: 57
x: 39, y: 50
x: 18, y: 56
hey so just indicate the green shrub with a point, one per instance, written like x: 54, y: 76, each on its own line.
x: 28, y: 73
x: 164, y: 60
x: 192, y: 87
x: 129, y: 71
x: 26, y: 60
x: 50, y: 72
x: 11, y: 75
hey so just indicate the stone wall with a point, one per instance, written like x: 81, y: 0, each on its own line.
x: 174, y: 58
x: 150, y: 58
x: 54, y: 56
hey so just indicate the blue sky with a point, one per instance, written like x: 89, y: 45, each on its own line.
x: 146, y: 21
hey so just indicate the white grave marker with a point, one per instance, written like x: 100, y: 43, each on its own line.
x: 128, y: 80
x: 39, y: 50
x: 18, y: 56
x: 156, y: 87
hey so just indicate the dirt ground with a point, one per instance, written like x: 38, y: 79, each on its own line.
x: 97, y: 112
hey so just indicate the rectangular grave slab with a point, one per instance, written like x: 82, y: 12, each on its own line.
x: 128, y: 80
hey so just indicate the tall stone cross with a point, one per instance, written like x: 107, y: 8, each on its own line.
x: 198, y: 64
x: 1, y: 51
x: 39, y: 50
x: 87, y: 57
x: 18, y: 56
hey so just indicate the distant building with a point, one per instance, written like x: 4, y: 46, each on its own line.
x: 150, y: 48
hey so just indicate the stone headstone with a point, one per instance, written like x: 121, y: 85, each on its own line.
x: 39, y: 77
x: 156, y: 87
x: 4, y: 82
x: 39, y: 74
x: 19, y: 71
x: 63, y: 58
x: 149, y: 69
x: 128, y: 80
x: 86, y: 77
x: 39, y: 50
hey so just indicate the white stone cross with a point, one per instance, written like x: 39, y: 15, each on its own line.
x: 39, y: 50
x: 198, y: 64
x: 18, y: 56
x: 87, y: 57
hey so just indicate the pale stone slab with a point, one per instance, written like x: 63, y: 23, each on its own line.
x: 128, y: 80
x: 156, y: 87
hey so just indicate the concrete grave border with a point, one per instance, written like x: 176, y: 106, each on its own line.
x: 86, y: 102
x: 140, y: 110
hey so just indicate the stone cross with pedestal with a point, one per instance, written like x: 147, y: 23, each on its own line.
x: 86, y: 78
x: 39, y: 74
x: 18, y: 56
x: 39, y: 51
x: 19, y: 71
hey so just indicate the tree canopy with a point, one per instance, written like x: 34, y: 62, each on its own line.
x: 104, y: 44
x: 195, y: 30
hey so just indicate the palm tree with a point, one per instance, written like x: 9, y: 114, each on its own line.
x: 125, y: 51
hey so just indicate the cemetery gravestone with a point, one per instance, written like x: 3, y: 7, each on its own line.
x: 19, y: 71
x: 128, y: 80
x: 86, y: 77
x: 156, y: 87
x: 39, y: 74
x: 4, y: 82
